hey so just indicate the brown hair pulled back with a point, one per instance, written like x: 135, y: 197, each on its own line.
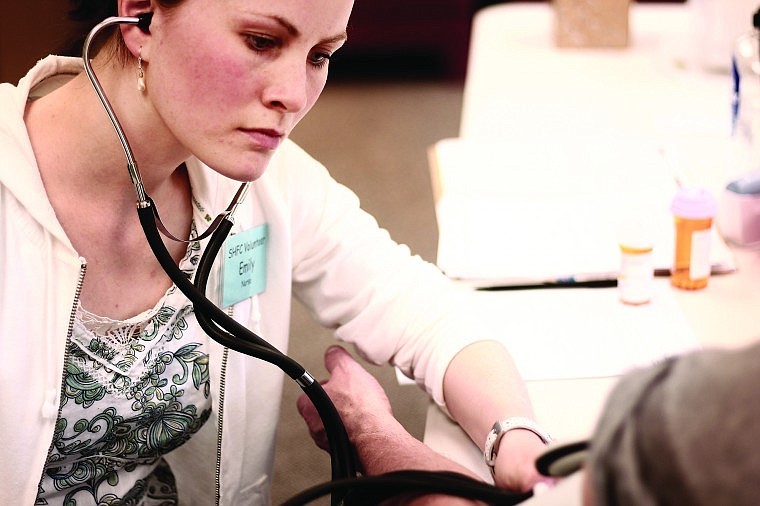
x: 88, y: 13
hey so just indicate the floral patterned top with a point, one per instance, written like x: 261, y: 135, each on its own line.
x: 133, y: 391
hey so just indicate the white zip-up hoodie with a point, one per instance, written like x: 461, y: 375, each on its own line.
x: 322, y: 248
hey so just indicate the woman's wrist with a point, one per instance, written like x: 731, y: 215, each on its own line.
x: 502, y: 428
x: 515, y: 466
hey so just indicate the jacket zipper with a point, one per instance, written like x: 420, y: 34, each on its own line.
x: 66, y: 356
x: 220, y: 427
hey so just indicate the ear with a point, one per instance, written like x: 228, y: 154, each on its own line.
x: 136, y: 39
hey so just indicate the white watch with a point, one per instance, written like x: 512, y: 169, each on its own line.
x: 501, y: 427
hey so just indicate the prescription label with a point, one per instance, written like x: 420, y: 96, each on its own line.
x: 699, y: 265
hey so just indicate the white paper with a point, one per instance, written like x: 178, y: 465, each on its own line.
x: 586, y: 332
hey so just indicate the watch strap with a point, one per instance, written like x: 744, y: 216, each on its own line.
x: 501, y: 427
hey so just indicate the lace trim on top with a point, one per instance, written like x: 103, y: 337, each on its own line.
x: 133, y: 391
x: 119, y: 334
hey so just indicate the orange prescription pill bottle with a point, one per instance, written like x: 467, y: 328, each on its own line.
x: 693, y: 211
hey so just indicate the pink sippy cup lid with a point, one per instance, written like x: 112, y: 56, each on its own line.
x: 694, y: 203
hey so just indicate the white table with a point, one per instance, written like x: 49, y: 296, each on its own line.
x: 520, y: 88
x: 519, y: 83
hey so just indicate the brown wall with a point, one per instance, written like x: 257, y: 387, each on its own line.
x: 30, y: 30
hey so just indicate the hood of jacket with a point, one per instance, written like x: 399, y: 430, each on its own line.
x: 16, y: 153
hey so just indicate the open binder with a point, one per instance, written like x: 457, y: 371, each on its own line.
x: 539, y: 212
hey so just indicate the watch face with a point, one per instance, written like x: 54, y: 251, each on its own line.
x: 489, y: 449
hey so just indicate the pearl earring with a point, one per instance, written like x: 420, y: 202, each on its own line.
x: 140, y: 73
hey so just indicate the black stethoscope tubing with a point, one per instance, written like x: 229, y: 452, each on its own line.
x: 228, y: 332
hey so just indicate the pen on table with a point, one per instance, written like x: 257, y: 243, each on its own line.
x: 608, y: 280
x: 735, y: 104
x: 558, y: 283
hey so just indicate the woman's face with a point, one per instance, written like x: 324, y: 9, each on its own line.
x: 231, y: 78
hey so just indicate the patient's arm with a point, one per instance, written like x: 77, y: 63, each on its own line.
x: 382, y: 444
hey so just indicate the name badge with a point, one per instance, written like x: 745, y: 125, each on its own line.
x: 245, y: 265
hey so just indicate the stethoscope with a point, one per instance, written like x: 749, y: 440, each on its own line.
x: 345, y: 486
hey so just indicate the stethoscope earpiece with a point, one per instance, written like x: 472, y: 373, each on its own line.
x: 144, y: 20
